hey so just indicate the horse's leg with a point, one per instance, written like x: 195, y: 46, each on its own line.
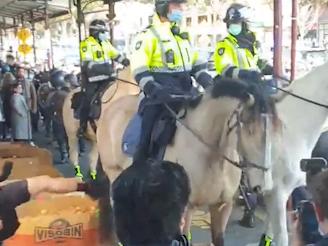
x: 93, y: 157
x: 107, y: 233
x: 73, y: 153
x: 187, y: 225
x: 277, y: 216
x: 220, y: 215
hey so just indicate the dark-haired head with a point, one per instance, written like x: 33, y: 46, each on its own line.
x: 149, y: 202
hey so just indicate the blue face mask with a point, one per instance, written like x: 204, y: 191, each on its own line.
x: 103, y: 36
x: 175, y: 16
x: 235, y: 29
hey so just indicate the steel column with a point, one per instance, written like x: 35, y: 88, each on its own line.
x: 277, y: 39
x: 293, y: 41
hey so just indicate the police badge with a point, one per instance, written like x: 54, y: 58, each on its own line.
x: 138, y: 45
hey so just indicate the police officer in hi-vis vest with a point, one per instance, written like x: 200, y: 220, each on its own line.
x: 97, y: 54
x: 163, y: 62
x: 236, y: 56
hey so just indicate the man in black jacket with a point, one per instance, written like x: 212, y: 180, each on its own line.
x: 150, y: 199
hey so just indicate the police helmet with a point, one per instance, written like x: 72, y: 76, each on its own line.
x: 72, y: 80
x: 236, y: 13
x: 162, y: 6
x: 57, y: 79
x: 97, y: 26
x: 5, y: 69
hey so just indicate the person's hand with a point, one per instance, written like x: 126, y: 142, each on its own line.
x: 126, y: 62
x: 296, y: 230
x: 155, y: 90
x: 6, y: 170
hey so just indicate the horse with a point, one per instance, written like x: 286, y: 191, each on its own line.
x: 302, y: 113
x: 124, y: 85
x: 202, y: 144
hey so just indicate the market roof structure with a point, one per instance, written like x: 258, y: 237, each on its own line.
x: 12, y: 12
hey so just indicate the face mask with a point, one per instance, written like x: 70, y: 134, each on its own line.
x: 175, y: 16
x: 103, y: 36
x: 235, y: 29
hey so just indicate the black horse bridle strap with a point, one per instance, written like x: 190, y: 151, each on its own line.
x: 241, y: 165
x: 295, y: 95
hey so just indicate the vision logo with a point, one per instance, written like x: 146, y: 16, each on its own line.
x: 59, y: 229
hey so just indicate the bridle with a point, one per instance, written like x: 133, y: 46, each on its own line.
x: 242, y: 164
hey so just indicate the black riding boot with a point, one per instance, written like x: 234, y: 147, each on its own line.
x: 83, y: 122
x: 248, y: 219
x: 82, y: 129
x: 149, y: 116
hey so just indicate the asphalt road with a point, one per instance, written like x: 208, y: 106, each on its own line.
x: 235, y: 234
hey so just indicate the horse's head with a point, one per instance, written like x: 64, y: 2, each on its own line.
x: 252, y: 122
x: 257, y: 128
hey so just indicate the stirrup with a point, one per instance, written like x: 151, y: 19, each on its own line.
x: 93, y: 175
x: 266, y: 241
x: 78, y: 173
x: 80, y: 132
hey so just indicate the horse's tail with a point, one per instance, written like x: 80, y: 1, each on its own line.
x: 106, y: 215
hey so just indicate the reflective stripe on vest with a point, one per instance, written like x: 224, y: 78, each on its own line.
x: 241, y: 54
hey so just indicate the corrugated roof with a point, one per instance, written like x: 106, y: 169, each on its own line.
x: 18, y: 9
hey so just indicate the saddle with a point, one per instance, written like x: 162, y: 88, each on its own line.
x: 96, y: 101
x: 162, y: 135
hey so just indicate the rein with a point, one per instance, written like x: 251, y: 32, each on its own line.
x: 241, y: 164
x: 126, y: 81
x: 295, y: 95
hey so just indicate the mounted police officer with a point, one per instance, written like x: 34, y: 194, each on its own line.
x: 236, y: 56
x: 97, y: 54
x: 163, y: 63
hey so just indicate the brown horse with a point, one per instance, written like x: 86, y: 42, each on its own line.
x: 202, y: 141
x: 115, y: 91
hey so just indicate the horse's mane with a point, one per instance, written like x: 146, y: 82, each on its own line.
x: 225, y: 87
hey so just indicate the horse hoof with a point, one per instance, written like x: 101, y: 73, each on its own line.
x: 219, y: 240
x: 93, y: 175
x: 78, y: 173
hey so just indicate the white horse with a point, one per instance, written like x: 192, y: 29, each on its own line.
x: 301, y: 124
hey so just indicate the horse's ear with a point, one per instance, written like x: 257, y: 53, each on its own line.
x: 250, y: 101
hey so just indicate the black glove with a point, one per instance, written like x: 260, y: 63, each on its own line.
x: 126, y: 62
x: 6, y: 170
x: 155, y: 90
x: 97, y: 188
x: 250, y: 75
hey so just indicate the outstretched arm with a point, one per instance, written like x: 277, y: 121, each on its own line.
x: 16, y: 193
x: 37, y: 185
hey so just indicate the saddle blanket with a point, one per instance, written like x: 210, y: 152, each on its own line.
x: 131, y: 136
x: 162, y: 134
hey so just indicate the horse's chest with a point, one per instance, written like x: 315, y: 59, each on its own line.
x: 213, y: 185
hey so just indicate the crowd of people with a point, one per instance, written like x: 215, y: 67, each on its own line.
x: 18, y: 102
